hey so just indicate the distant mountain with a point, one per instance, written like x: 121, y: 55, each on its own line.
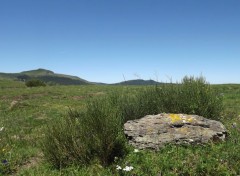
x: 52, y: 78
x: 47, y: 76
x: 139, y: 82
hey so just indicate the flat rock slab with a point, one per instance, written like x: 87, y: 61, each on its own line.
x: 155, y: 131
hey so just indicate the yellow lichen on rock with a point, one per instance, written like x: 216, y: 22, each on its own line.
x: 181, y: 118
x: 175, y: 118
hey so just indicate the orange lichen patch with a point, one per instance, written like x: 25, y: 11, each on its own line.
x: 175, y: 118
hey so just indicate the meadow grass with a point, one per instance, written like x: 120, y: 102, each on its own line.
x: 25, y: 125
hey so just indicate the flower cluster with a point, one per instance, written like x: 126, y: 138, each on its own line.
x: 127, y: 168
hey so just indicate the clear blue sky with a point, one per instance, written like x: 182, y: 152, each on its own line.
x: 102, y: 40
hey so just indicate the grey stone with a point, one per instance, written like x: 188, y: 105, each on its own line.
x: 155, y: 131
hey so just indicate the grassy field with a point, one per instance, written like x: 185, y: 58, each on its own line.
x: 25, y: 112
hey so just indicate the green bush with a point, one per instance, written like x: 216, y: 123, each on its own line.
x: 104, y: 121
x: 96, y: 134
x: 35, y: 83
x: 86, y: 137
x: 62, y: 144
x: 198, y: 97
x: 191, y: 96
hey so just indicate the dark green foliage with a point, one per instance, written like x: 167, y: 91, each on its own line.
x: 35, y: 83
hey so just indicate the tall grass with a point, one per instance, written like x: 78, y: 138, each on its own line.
x: 96, y: 135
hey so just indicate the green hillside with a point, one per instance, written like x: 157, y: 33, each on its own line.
x: 47, y: 76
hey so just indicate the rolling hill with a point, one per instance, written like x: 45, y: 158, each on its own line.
x: 47, y: 76
x: 138, y: 82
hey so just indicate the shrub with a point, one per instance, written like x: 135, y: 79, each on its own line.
x: 198, y: 97
x: 64, y: 145
x: 191, y: 96
x: 35, y: 83
x: 84, y: 137
x: 104, y: 123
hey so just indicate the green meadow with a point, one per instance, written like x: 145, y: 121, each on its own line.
x: 30, y: 117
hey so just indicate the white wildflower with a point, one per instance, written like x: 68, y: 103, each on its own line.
x: 128, y: 168
x: 1, y: 129
x: 118, y: 167
x: 136, y: 151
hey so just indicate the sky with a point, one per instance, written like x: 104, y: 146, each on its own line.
x: 115, y: 40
